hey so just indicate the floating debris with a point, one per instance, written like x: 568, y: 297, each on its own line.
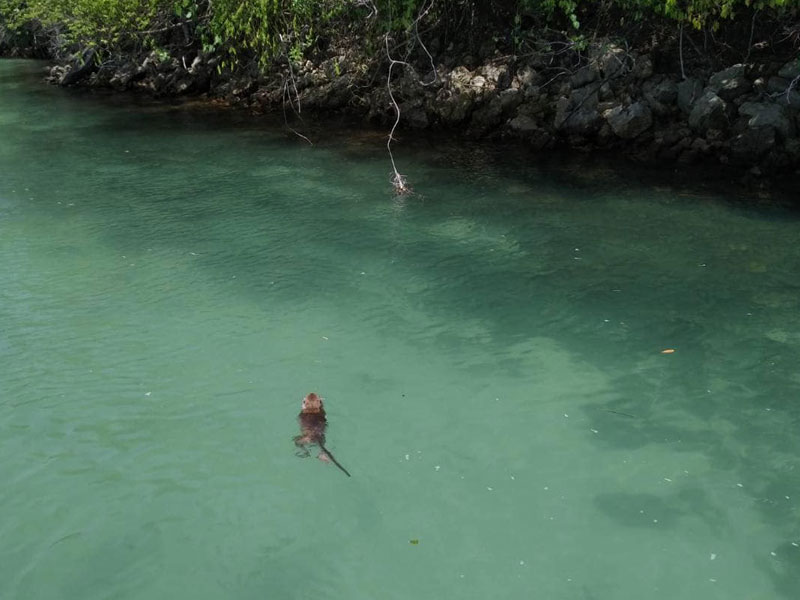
x: 713, y: 556
x: 668, y: 351
x: 414, y: 542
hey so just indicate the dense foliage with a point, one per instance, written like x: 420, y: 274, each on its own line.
x: 255, y: 31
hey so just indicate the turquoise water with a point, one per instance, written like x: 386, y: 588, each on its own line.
x: 174, y: 280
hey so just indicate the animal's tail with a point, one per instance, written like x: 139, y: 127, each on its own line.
x: 336, y: 462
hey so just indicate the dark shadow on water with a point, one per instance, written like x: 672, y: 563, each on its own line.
x: 652, y: 511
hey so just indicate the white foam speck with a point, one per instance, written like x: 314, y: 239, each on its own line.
x: 713, y: 556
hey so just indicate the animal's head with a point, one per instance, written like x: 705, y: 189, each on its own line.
x: 312, y: 403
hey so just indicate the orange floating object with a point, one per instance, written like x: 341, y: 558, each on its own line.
x: 668, y: 351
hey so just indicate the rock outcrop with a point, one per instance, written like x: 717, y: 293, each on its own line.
x: 614, y: 98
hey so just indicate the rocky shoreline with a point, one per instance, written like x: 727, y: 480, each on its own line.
x: 604, y: 98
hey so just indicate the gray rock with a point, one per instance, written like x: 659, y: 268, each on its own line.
x: 661, y: 96
x: 459, y: 78
x: 719, y: 77
x: 487, y: 116
x: 605, y: 92
x: 689, y: 90
x: 753, y: 143
x: 768, y: 115
x: 610, y: 58
x: 665, y: 92
x: 578, y: 114
x: 478, y: 82
x: 522, y: 124
x: 509, y: 100
x: 496, y: 76
x: 779, y: 88
x: 415, y: 117
x: 791, y: 69
x: 82, y: 66
x: 631, y: 121
x: 643, y: 68
x: 708, y: 112
x: 453, y: 108
x: 584, y: 76
x: 730, y: 83
x: 777, y: 85
x: 527, y: 76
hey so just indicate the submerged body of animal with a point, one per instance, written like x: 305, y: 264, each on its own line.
x: 312, y: 430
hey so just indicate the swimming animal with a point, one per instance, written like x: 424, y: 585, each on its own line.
x: 312, y: 430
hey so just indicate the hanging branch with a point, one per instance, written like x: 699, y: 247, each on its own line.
x: 287, y: 96
x: 399, y: 182
x: 424, y: 48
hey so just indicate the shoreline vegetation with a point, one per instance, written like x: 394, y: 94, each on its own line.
x: 660, y: 81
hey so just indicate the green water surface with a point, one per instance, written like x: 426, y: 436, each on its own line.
x: 173, y: 280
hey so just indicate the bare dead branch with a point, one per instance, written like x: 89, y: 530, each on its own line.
x: 399, y: 182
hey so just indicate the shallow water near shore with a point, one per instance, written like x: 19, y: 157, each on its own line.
x: 173, y: 280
